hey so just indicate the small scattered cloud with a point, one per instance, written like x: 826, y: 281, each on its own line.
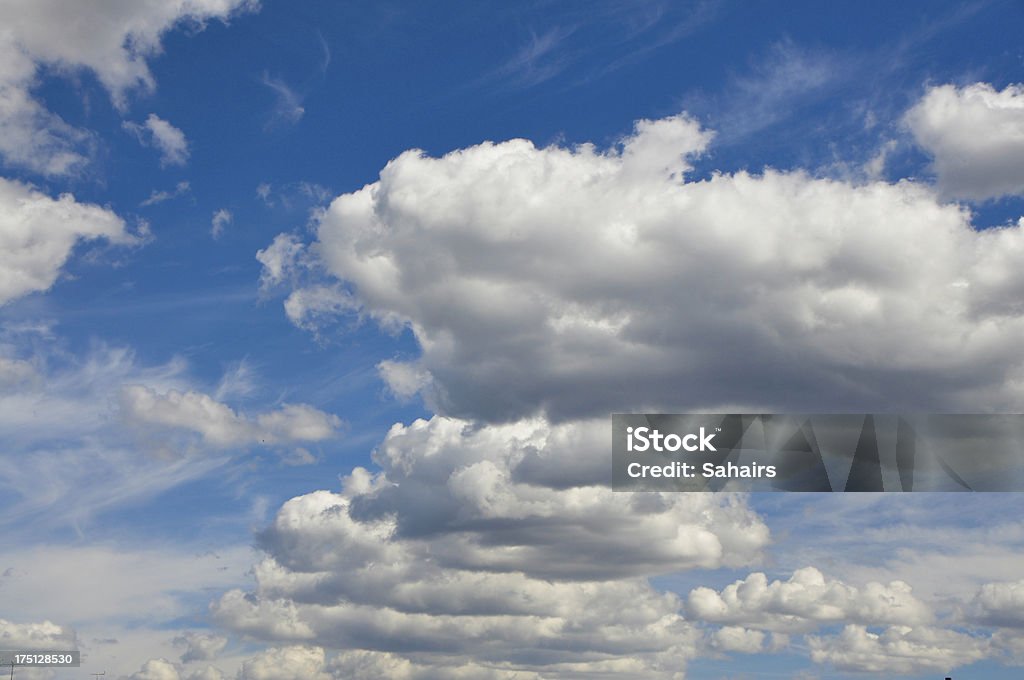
x: 157, y: 197
x: 221, y: 219
x: 167, y: 139
x: 220, y: 426
x: 263, y: 192
x: 300, y: 195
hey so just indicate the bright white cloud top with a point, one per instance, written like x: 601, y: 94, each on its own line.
x: 38, y: 233
x: 574, y: 282
x: 976, y: 136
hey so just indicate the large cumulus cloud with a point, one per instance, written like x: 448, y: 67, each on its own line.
x: 470, y: 549
x: 576, y: 281
x: 548, y: 287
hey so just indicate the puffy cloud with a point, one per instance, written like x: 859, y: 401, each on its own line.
x: 207, y: 673
x: 162, y: 669
x: 806, y: 601
x: 403, y: 379
x: 899, y: 649
x: 999, y: 604
x: 167, y: 139
x: 286, y: 663
x: 157, y: 669
x: 312, y: 307
x: 1009, y: 643
x: 29, y: 636
x: 739, y: 639
x: 366, y: 665
x: 279, y: 259
x: 221, y: 219
x: 471, y: 545
x: 575, y: 282
x: 218, y: 424
x: 550, y: 286
x: 113, y: 40
x: 199, y: 647
x: 976, y: 136
x: 38, y: 233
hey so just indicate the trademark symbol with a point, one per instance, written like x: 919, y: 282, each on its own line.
x: 718, y: 429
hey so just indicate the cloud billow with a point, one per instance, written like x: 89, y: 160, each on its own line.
x: 975, y: 135
x: 574, y: 282
x: 446, y: 555
x: 548, y: 287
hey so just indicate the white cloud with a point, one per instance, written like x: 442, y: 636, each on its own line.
x: 207, y: 673
x: 403, y: 379
x: 806, y: 601
x: 145, y: 585
x: 38, y: 234
x: 157, y: 669
x: 471, y: 545
x: 976, y: 136
x: 221, y: 426
x: 36, y: 636
x: 15, y: 372
x: 899, y: 649
x: 113, y: 40
x: 84, y: 434
x: 65, y: 455
x: 577, y: 282
x: 162, y: 669
x: 155, y: 197
x: 365, y: 665
x: 999, y: 604
x: 221, y: 219
x: 167, y: 139
x: 315, y: 306
x: 286, y: 663
x: 200, y: 647
x: 280, y: 260
x: 118, y: 604
x: 739, y: 639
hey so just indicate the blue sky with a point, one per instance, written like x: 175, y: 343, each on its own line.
x: 312, y: 315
